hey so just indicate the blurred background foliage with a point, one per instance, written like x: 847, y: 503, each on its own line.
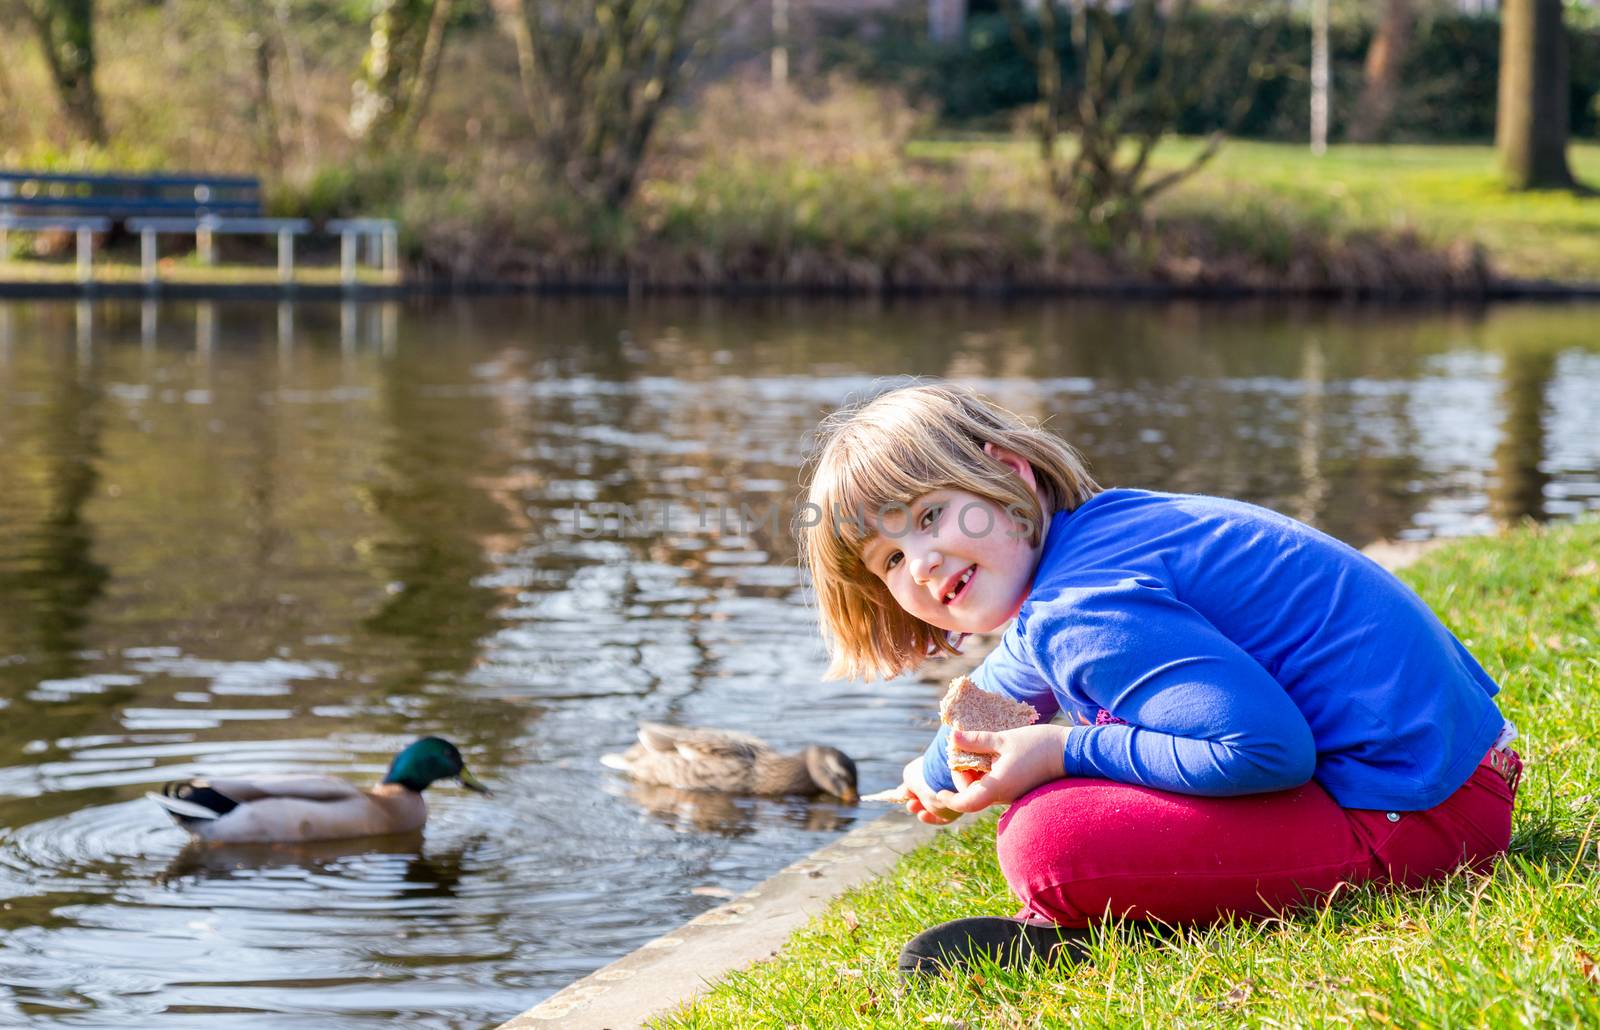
x: 668, y: 151
x: 1447, y: 83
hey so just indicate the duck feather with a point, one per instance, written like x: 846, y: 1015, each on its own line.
x: 694, y: 744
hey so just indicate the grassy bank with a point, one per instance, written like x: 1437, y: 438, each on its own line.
x: 1519, y: 947
x: 844, y: 203
x: 1443, y: 193
x: 853, y: 196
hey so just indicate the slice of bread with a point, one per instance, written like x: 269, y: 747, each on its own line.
x: 966, y: 707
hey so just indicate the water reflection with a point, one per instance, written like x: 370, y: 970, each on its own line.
x: 440, y: 530
x: 199, y: 861
x: 277, y: 537
x: 704, y: 811
x: 53, y: 579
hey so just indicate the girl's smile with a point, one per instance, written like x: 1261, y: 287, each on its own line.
x: 955, y: 593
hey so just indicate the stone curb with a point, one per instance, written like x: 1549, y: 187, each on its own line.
x: 673, y: 969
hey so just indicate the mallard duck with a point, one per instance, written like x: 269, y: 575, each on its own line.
x: 733, y: 763
x: 290, y: 809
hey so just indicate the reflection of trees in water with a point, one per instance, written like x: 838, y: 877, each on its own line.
x: 1529, y: 340
x: 1313, y: 480
x: 437, y: 516
x: 47, y: 589
x: 1517, y: 490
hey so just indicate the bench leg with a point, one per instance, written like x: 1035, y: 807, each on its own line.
x: 205, y: 246
x: 347, y: 258
x: 391, y: 254
x: 374, y: 250
x: 85, y: 255
x: 285, y: 257
x: 147, y: 256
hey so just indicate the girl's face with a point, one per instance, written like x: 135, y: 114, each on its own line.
x: 956, y: 560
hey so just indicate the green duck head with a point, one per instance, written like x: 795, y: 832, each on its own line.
x: 427, y: 760
x: 833, y: 772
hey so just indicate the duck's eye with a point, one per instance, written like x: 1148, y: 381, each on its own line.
x: 930, y: 516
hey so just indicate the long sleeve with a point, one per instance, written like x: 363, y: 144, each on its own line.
x: 1203, y: 717
x: 1007, y: 671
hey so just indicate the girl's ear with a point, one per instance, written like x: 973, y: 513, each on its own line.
x: 1013, y: 461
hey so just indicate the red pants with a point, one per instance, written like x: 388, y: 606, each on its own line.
x: 1077, y: 850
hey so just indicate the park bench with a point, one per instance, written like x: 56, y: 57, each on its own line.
x: 150, y: 205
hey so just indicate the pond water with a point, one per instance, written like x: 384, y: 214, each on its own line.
x: 268, y: 538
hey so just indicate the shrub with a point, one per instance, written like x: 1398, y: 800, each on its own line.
x: 1448, y: 92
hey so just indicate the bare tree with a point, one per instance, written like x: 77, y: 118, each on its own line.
x: 1135, y: 71
x: 1386, y: 56
x: 398, y: 70
x: 596, y: 75
x: 1531, y: 123
x: 66, y: 34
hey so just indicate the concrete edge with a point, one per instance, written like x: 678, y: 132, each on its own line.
x: 678, y: 966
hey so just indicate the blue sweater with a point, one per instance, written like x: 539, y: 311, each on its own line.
x: 1246, y: 652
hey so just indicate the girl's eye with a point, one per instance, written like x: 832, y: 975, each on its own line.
x: 890, y: 562
x: 930, y: 516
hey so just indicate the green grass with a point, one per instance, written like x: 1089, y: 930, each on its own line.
x: 829, y: 211
x: 1442, y: 192
x: 185, y: 273
x: 1520, y: 947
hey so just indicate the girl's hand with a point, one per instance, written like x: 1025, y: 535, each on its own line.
x: 1024, y: 759
x: 923, y: 803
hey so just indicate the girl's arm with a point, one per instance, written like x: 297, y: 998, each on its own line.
x: 1006, y: 671
x: 1203, y: 716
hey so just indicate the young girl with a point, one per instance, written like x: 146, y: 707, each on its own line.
x: 1254, y: 712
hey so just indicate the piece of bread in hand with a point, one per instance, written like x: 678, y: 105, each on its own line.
x: 965, y: 707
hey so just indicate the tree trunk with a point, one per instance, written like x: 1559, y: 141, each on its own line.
x: 66, y: 34
x: 1531, y: 124
x: 1517, y: 491
x: 1386, y: 56
x: 1321, y: 76
x: 427, y: 71
x: 595, y: 77
x: 403, y: 48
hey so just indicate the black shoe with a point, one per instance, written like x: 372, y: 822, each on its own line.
x: 1008, y: 942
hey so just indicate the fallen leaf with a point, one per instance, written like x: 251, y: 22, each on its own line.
x: 1587, y: 967
x: 850, y: 921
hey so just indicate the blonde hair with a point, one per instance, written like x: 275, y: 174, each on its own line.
x: 889, y: 451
